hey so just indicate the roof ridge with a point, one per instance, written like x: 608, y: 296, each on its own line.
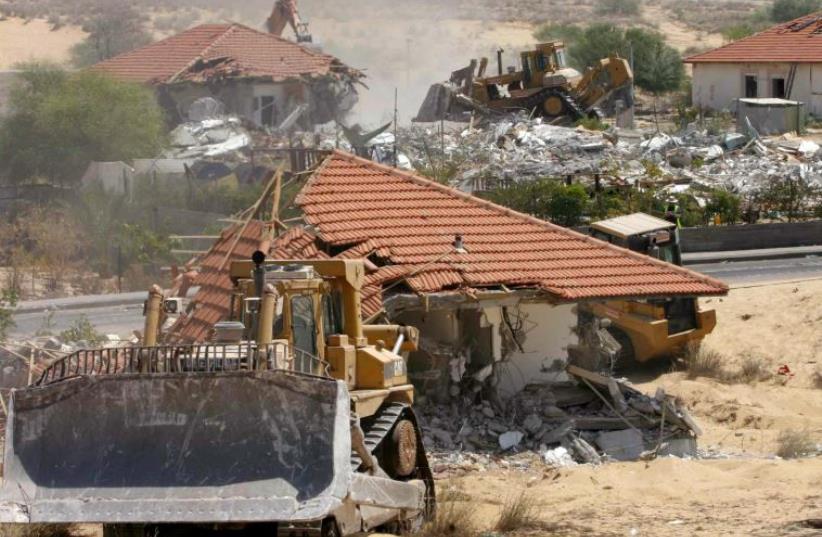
x: 509, y: 212
x: 238, y: 25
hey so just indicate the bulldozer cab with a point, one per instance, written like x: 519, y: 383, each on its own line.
x: 642, y: 233
x: 546, y: 58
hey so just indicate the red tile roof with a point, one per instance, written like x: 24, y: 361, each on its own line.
x: 212, y: 301
x: 798, y: 41
x: 407, y: 224
x: 408, y: 221
x: 223, y: 50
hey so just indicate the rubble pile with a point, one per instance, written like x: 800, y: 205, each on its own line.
x: 512, y: 151
x: 592, y: 419
x: 522, y: 149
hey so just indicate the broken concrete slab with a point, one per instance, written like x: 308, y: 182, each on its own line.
x: 510, y: 440
x: 624, y: 445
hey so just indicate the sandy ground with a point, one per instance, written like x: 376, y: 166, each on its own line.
x: 21, y: 41
x: 677, y: 34
x: 667, y: 497
x: 748, y: 492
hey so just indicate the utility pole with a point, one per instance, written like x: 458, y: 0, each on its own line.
x: 396, y: 135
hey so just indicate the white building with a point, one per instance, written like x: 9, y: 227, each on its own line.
x: 783, y: 62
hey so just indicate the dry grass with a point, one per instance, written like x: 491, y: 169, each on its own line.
x: 453, y: 519
x: 37, y: 530
x: 701, y: 361
x: 754, y: 369
x: 793, y: 444
x: 518, y: 513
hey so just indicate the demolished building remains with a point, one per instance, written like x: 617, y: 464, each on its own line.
x: 260, y: 77
x: 492, y: 291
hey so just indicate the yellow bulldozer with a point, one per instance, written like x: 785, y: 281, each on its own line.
x: 544, y: 86
x: 296, y: 420
x: 646, y: 330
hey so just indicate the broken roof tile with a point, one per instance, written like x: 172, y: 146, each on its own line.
x: 219, y: 51
x: 412, y: 221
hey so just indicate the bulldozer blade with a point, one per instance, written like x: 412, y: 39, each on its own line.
x: 438, y: 104
x: 188, y: 448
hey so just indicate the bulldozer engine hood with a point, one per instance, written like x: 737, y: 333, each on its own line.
x: 561, y: 77
x: 178, y: 447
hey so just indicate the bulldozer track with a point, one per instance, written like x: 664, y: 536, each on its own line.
x: 537, y: 100
x: 378, y: 431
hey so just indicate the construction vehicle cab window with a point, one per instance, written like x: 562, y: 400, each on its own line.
x: 318, y: 436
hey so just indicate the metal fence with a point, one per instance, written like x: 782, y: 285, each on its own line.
x: 198, y: 358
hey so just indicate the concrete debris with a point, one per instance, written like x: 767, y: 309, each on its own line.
x: 694, y: 160
x: 209, y: 137
x: 558, y: 457
x: 594, y: 418
x: 510, y: 439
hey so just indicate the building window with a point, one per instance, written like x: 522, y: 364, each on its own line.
x: 265, y: 111
x: 778, y: 88
x: 751, y: 87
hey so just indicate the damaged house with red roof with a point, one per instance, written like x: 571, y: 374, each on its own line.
x: 782, y: 62
x: 494, y: 292
x: 259, y: 76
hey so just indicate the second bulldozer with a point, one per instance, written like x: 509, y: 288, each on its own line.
x: 543, y: 86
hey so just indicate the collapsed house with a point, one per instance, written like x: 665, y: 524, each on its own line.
x: 258, y: 76
x: 492, y: 291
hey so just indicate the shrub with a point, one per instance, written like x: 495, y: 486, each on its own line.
x: 453, y: 519
x: 703, y: 362
x: 793, y: 444
x: 753, y: 369
x: 725, y: 204
x: 81, y: 330
x: 518, y: 513
x: 621, y: 8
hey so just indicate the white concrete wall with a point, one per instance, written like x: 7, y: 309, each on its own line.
x: 717, y: 85
x: 548, y: 332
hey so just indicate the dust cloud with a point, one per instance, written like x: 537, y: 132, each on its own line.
x: 405, y: 46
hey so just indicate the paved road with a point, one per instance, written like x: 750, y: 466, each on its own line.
x: 107, y: 319
x: 114, y: 317
x: 763, y: 270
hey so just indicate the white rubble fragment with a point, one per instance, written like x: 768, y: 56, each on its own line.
x: 808, y: 148
x: 510, y: 440
x: 558, y: 457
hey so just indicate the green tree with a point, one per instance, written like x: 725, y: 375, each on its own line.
x: 597, y: 41
x: 657, y: 66
x: 725, y: 204
x: 788, y: 10
x: 115, y: 27
x: 548, y: 199
x: 58, y: 122
x: 620, y: 8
